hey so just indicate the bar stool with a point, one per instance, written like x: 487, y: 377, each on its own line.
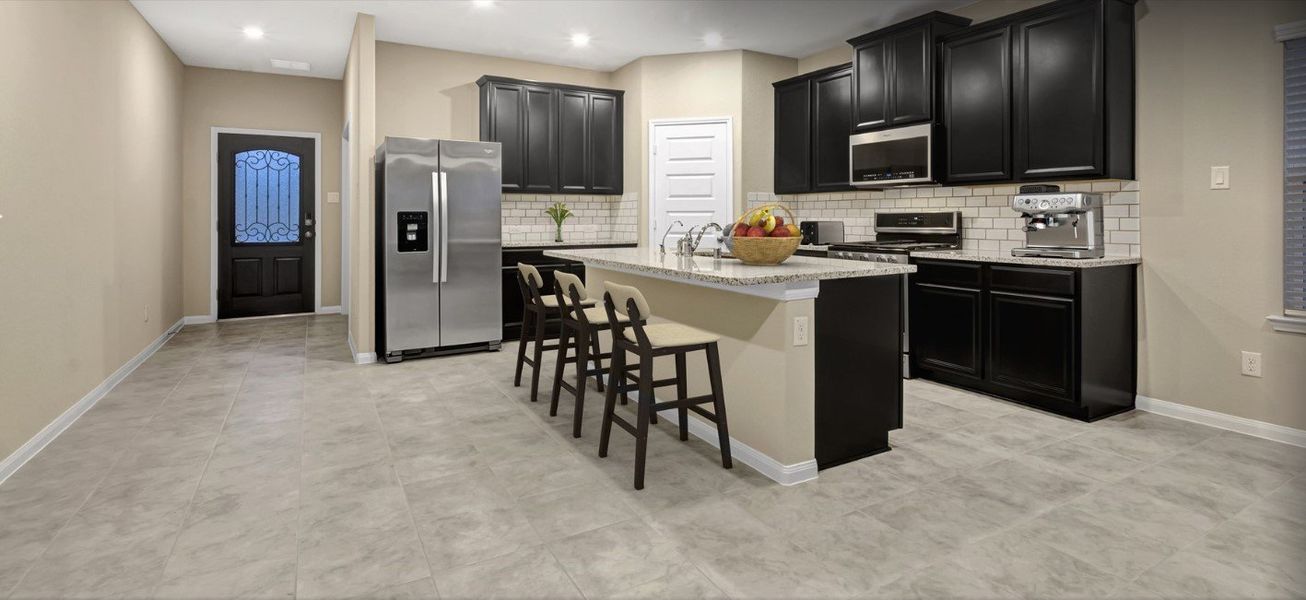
x: 648, y: 342
x: 536, y: 309
x: 582, y: 325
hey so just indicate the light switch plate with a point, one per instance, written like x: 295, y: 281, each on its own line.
x: 1220, y: 178
x: 333, y: 197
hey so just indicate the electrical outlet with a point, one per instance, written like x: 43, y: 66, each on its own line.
x: 1252, y: 364
x: 800, y: 331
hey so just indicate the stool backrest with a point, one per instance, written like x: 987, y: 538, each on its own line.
x: 570, y: 291
x: 627, y: 301
x: 531, y: 281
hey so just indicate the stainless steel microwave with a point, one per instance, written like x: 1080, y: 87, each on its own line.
x: 900, y: 156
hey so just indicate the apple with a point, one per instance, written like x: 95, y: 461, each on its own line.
x: 756, y: 231
x: 780, y: 232
x: 779, y: 221
x: 794, y: 231
x: 741, y: 230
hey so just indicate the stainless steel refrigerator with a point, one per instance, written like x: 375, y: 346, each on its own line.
x: 438, y: 247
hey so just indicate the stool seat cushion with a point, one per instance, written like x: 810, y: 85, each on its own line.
x: 666, y: 335
x: 551, y: 301
x: 599, y: 316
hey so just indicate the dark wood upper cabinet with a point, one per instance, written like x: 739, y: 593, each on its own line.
x: 831, y: 125
x: 1067, y: 60
x: 605, y: 122
x: 556, y: 138
x: 1046, y: 93
x: 813, y: 119
x: 573, y: 141
x: 793, y: 136
x: 976, y: 106
x: 893, y: 71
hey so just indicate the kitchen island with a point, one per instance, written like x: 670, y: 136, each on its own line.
x: 810, y: 349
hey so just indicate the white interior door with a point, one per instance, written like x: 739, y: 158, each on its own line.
x: 690, y: 176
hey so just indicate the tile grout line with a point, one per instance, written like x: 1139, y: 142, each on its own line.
x: 98, y: 483
x: 190, y: 503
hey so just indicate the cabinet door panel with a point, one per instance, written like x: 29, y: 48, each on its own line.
x: 1059, y: 121
x: 605, y: 144
x: 977, y: 106
x: 793, y: 127
x: 1032, y: 344
x: 911, y: 88
x: 506, y: 105
x: 541, y: 170
x: 573, y: 140
x: 831, y: 125
x: 946, y: 329
x: 871, y: 98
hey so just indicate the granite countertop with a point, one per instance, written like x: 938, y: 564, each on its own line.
x: 727, y: 271
x: 572, y: 244
x: 1000, y: 257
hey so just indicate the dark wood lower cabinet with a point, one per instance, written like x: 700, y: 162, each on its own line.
x: 1060, y: 339
x: 858, y: 367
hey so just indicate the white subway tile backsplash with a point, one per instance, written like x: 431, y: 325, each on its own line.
x: 594, y: 218
x: 989, y: 223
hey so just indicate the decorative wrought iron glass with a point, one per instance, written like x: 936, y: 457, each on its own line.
x: 266, y: 197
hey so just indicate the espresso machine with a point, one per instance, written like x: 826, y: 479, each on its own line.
x: 1059, y: 224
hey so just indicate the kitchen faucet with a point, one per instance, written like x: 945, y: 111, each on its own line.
x: 662, y: 246
x: 697, y: 240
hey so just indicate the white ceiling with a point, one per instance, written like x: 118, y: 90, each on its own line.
x: 207, y: 33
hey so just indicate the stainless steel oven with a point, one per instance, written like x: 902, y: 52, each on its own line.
x: 900, y: 156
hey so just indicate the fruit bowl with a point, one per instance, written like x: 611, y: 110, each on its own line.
x: 761, y: 238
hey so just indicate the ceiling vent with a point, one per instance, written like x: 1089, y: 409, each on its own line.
x: 290, y: 65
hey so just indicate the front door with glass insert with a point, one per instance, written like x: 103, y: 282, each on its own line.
x: 265, y: 225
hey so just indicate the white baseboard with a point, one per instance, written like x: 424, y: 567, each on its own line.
x: 1252, y: 427
x: 365, y: 358
x: 329, y: 310
x: 199, y: 319
x: 760, y: 462
x: 27, y: 451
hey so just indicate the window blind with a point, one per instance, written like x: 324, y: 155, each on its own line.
x: 1294, y: 172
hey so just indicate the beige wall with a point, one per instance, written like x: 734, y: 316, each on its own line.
x: 1210, y: 92
x: 430, y: 93
x: 90, y: 187
x: 760, y: 71
x: 238, y: 99
x: 359, y: 90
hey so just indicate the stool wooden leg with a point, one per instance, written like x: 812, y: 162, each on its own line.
x: 719, y: 403
x: 621, y: 376
x: 563, y: 337
x: 645, y: 415
x: 682, y: 392
x: 598, y: 362
x: 521, y: 346
x: 582, y: 364
x: 617, y: 365
x: 538, y: 354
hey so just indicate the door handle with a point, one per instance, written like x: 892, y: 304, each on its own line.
x: 444, y: 227
x: 435, y: 211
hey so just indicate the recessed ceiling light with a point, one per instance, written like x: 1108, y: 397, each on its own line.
x: 482, y: 3
x: 290, y: 65
x: 712, y: 39
x: 253, y: 32
x: 580, y: 40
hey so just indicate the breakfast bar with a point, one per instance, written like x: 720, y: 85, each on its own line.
x: 810, y: 348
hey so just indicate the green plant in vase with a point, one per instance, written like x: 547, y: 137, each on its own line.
x: 559, y: 213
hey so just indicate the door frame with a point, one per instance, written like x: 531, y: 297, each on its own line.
x: 213, y: 209
x: 653, y: 124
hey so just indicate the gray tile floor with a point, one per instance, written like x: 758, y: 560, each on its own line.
x: 252, y: 459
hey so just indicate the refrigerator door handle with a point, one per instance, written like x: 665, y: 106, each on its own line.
x: 436, y: 202
x: 444, y: 227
